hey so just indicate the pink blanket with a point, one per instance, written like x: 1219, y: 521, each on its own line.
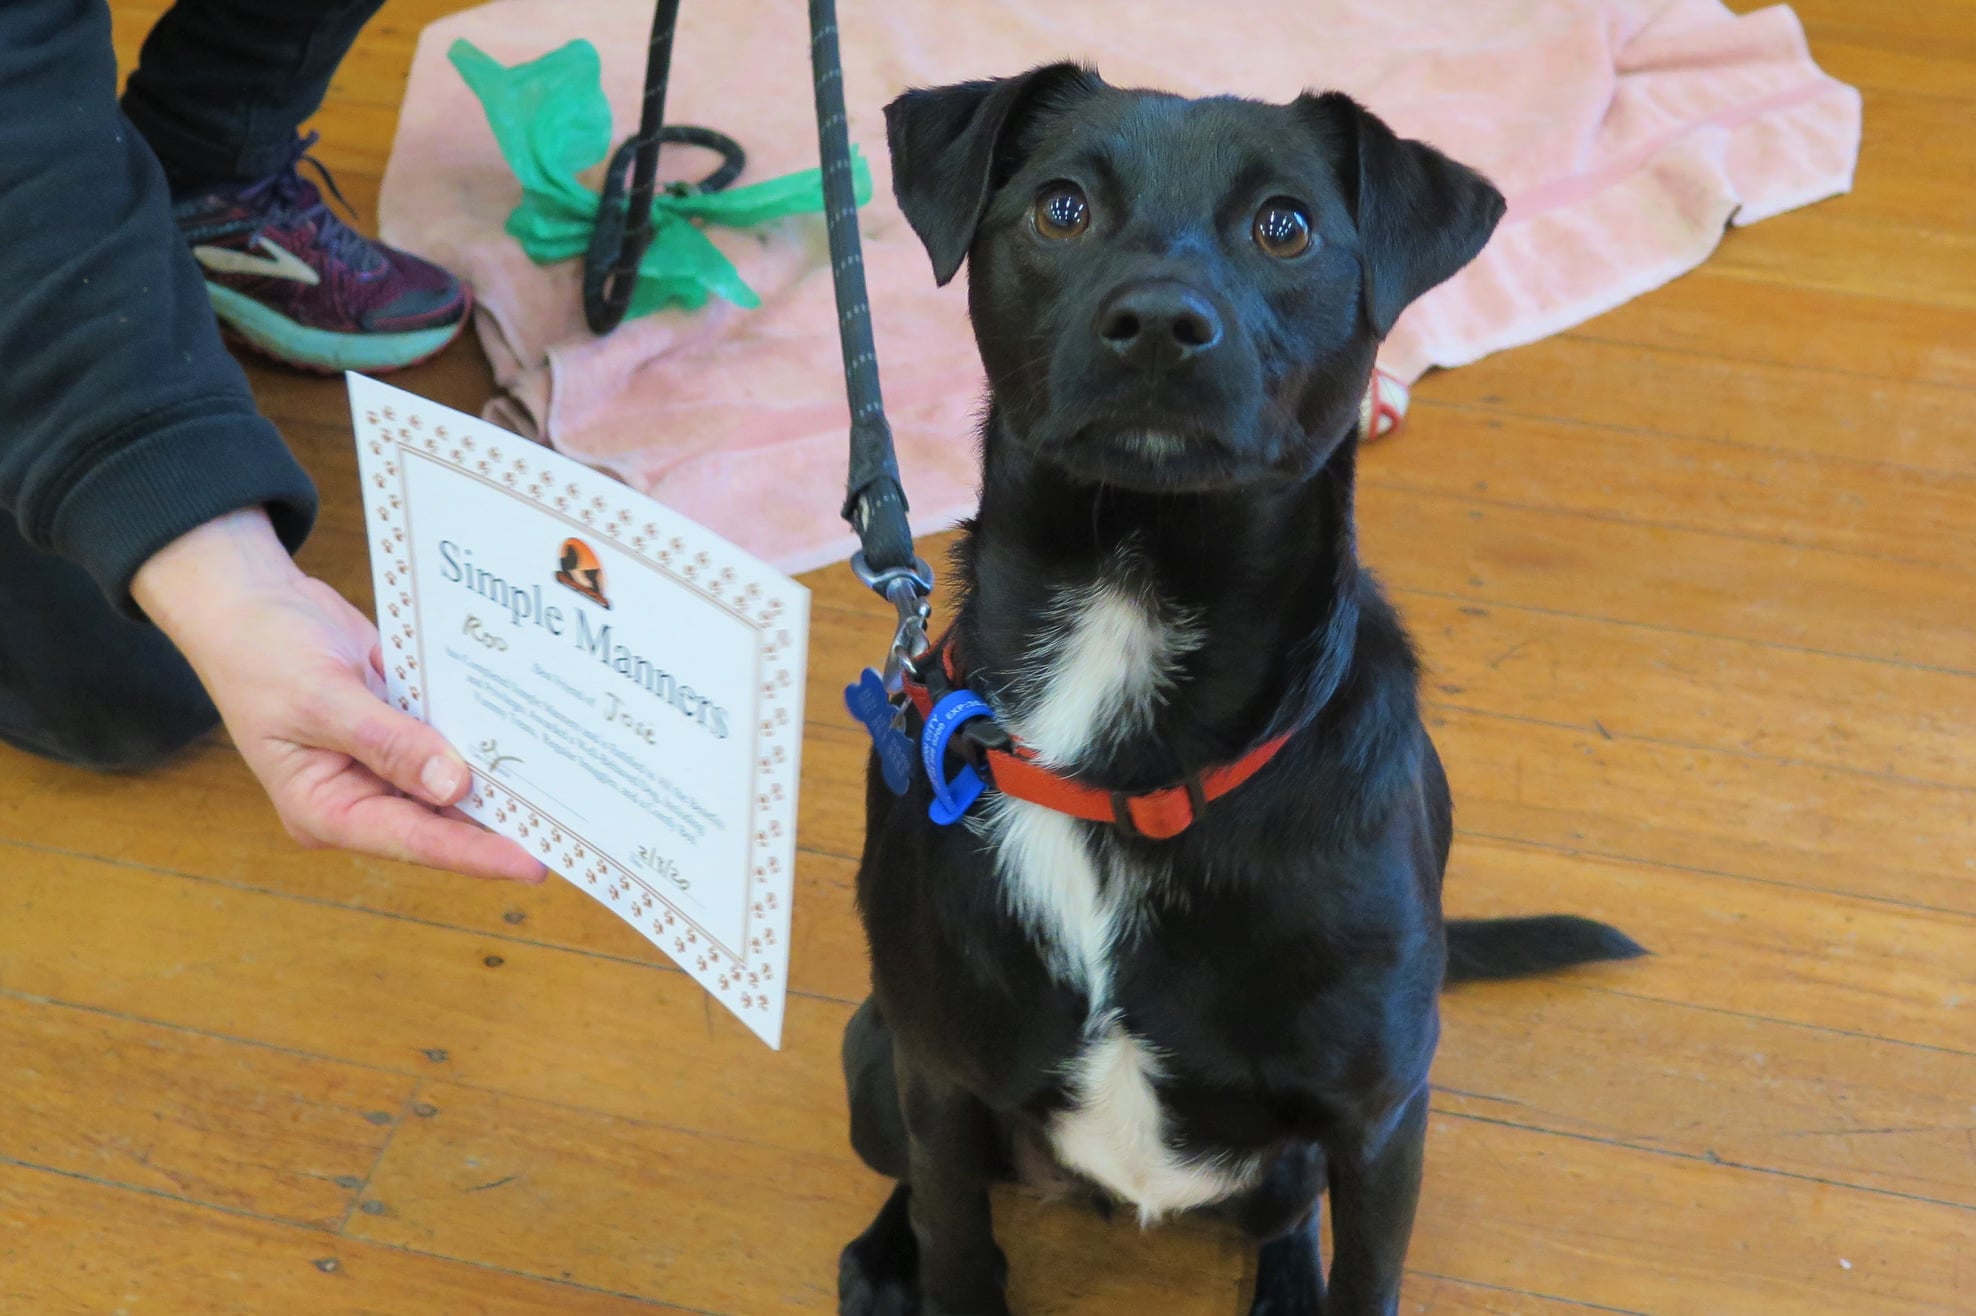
x: 1626, y: 134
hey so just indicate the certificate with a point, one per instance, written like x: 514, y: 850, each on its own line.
x: 626, y: 685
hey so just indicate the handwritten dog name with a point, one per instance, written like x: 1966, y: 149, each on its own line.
x: 476, y: 630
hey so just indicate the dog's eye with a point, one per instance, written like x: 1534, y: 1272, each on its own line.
x: 1282, y: 228
x: 1061, y: 211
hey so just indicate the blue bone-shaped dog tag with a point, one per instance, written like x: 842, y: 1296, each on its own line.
x: 951, y: 799
x: 870, y: 705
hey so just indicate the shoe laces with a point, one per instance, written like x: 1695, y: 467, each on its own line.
x: 294, y: 199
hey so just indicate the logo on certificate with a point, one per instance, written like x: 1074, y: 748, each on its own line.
x: 579, y: 569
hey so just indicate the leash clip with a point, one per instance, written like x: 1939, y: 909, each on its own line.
x: 910, y: 592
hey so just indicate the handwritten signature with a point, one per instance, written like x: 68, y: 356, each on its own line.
x: 496, y: 760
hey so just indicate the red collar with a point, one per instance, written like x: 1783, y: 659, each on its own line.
x: 1157, y: 814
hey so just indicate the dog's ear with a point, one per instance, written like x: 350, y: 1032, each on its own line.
x: 1420, y: 215
x: 946, y: 143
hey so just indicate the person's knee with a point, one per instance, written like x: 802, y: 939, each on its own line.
x: 107, y: 735
x: 80, y: 683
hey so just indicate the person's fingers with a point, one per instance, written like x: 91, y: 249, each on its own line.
x: 374, y: 673
x: 401, y: 749
x: 392, y: 827
x: 374, y: 682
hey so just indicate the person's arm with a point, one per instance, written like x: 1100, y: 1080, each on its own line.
x: 123, y: 420
x: 130, y: 444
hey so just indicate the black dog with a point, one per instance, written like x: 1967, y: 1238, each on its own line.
x: 1177, y: 303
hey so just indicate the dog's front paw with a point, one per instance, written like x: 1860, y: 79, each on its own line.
x: 876, y: 1280
x: 878, y: 1274
x: 1290, y: 1275
x: 872, y: 1281
x: 1277, y: 1304
x: 868, y: 1289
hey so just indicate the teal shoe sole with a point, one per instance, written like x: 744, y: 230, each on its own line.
x: 269, y: 332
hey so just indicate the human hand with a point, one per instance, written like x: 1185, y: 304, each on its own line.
x: 297, y: 675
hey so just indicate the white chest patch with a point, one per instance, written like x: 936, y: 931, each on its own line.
x: 1101, y: 676
x: 1116, y: 1133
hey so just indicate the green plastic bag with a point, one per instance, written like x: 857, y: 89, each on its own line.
x: 552, y: 123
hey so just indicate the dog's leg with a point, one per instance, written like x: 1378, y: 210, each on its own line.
x: 878, y: 1274
x: 1375, y: 1184
x: 952, y: 1162
x: 1290, y: 1273
x: 1281, y: 1214
x: 878, y: 1129
x: 931, y: 1251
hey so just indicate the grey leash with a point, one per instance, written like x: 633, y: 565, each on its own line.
x: 875, y: 501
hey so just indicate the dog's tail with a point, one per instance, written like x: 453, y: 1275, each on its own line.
x: 1491, y: 949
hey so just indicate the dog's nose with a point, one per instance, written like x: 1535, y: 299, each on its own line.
x: 1160, y: 322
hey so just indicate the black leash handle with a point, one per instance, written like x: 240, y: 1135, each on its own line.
x: 875, y: 501
x: 624, y: 230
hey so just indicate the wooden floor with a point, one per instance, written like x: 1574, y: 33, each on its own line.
x: 1697, y: 585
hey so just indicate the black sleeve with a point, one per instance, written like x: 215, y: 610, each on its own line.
x: 123, y: 420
